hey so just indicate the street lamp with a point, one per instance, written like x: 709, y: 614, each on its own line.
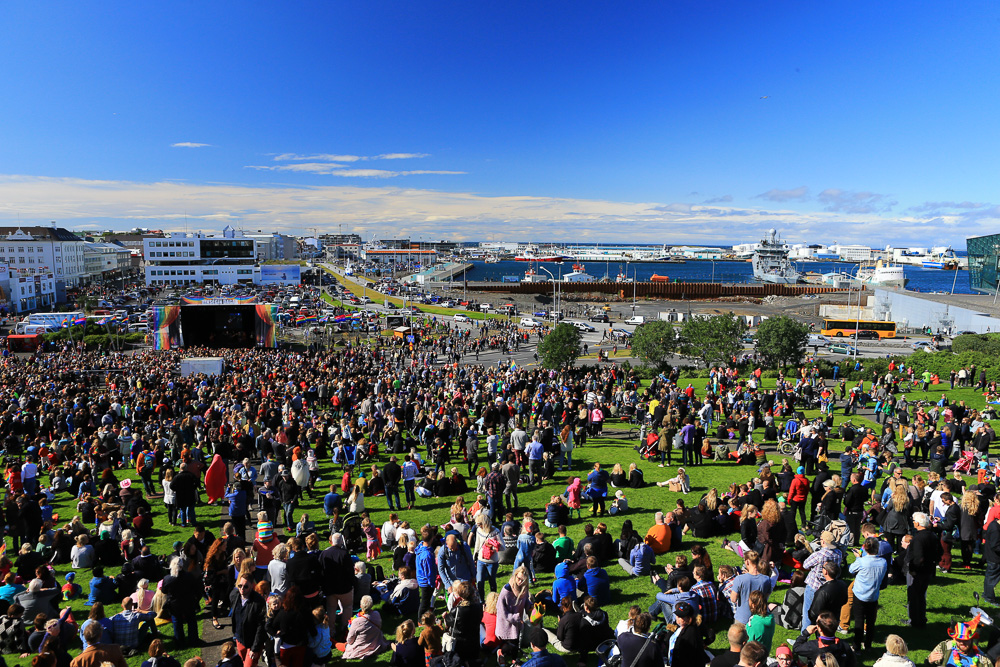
x: 555, y: 283
x: 857, y: 321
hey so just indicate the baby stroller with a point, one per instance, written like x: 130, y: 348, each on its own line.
x: 354, y: 536
x: 965, y: 462
x: 648, y: 449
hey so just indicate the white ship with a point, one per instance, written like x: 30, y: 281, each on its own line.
x: 771, y: 264
x: 616, y: 253
x: 882, y: 274
x: 940, y: 257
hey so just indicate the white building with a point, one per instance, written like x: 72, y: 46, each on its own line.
x: 188, y: 259
x: 31, y: 251
x: 274, y: 246
x: 105, y: 260
x: 32, y: 292
x: 855, y: 253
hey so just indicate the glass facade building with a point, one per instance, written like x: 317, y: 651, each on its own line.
x: 984, y: 262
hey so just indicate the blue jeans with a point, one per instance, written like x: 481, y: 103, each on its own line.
x: 566, y: 458
x: 807, y: 600
x: 30, y: 486
x: 187, y: 514
x: 486, y: 571
x: 390, y: 493
x: 496, y: 504
x: 528, y: 562
x: 289, y: 509
x: 408, y: 486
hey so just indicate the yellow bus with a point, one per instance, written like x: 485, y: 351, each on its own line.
x: 841, y: 328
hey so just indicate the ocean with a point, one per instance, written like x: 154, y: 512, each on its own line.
x: 921, y: 279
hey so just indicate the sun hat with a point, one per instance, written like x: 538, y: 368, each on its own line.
x: 965, y: 631
x: 125, y: 483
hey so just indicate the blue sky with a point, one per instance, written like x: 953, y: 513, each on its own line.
x: 665, y: 122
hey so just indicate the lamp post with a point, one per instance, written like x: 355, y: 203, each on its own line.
x: 555, y: 283
x: 857, y: 321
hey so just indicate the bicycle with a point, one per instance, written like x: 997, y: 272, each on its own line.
x: 646, y: 421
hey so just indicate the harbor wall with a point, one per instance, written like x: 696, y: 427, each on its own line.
x: 660, y: 290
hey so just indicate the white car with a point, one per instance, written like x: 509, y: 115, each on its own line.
x: 817, y: 339
x: 364, y: 299
x: 530, y: 323
x: 583, y: 326
x: 459, y: 317
x: 636, y: 320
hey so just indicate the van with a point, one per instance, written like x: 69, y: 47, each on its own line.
x: 33, y: 329
x: 636, y: 320
x: 530, y: 323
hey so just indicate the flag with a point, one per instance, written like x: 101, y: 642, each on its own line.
x: 79, y: 321
x: 3, y: 549
x: 65, y: 323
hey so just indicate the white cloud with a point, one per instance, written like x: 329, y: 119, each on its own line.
x: 331, y: 157
x: 331, y: 169
x: 847, y: 201
x: 189, y: 144
x: 79, y: 203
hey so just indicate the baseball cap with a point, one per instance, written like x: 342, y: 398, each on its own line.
x: 684, y: 610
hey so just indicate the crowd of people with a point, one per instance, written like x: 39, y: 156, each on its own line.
x: 135, y: 446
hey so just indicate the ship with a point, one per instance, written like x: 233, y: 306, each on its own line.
x: 771, y: 264
x: 536, y: 254
x: 882, y: 274
x: 532, y: 276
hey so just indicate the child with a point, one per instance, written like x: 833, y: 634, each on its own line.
x: 430, y: 637
x: 319, y: 643
x: 490, y: 641
x: 371, y: 533
x: 938, y: 459
x: 619, y: 504
x: 229, y: 656
x: 405, y: 650
x: 760, y: 628
x: 71, y: 590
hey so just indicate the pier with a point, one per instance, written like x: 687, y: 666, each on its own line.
x: 661, y: 290
x: 438, y: 274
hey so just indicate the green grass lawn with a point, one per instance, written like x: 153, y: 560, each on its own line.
x: 950, y: 595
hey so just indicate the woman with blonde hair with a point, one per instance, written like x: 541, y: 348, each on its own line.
x: 711, y: 500
x: 971, y: 513
x: 895, y: 653
x: 486, y: 545
x: 897, y: 518
x: 618, y: 478
x: 511, y: 604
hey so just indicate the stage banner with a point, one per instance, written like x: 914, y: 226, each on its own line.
x: 167, y: 327
x: 266, y: 329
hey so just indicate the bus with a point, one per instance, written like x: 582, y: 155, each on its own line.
x: 840, y: 328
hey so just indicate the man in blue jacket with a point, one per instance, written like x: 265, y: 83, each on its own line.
x: 667, y: 599
x: 454, y: 562
x: 598, y: 480
x: 427, y: 570
x: 595, y: 582
x: 565, y: 585
x: 640, y: 559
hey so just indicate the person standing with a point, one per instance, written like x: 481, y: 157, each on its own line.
x: 249, y: 618
x: 410, y: 473
x: 427, y: 571
x: 185, y: 487
x: 338, y: 581
x: 535, y: 449
x: 991, y: 552
x: 868, y: 571
x: 922, y: 557
x: 391, y: 474
x: 181, y: 590
x: 814, y: 563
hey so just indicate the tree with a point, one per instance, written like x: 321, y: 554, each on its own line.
x: 654, y: 343
x: 781, y: 341
x: 713, y: 340
x: 560, y: 347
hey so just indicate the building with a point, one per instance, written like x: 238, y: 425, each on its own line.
x: 106, y: 261
x: 274, y: 246
x: 984, y: 263
x: 188, y: 259
x: 405, y: 256
x: 42, y: 251
x: 31, y: 292
x: 856, y: 253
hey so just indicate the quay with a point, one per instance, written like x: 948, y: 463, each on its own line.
x: 681, y: 291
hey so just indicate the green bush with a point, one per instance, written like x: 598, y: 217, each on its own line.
x: 984, y: 343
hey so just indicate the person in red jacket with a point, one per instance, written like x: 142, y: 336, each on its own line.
x: 798, y: 492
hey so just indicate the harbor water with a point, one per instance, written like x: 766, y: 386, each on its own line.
x: 703, y: 271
